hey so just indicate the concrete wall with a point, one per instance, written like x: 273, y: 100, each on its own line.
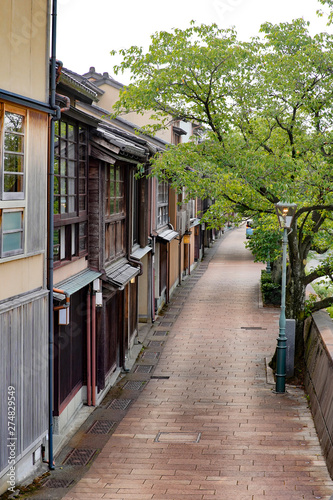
x: 318, y: 336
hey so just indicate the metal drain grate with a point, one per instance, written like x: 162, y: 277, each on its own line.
x: 163, y: 323
x: 134, y: 385
x: 150, y: 355
x: 79, y: 457
x: 156, y: 343
x: 119, y: 404
x: 252, y: 328
x: 101, y: 427
x: 162, y: 333
x: 143, y: 369
x: 58, y: 483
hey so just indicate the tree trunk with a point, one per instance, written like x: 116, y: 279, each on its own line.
x: 295, y: 301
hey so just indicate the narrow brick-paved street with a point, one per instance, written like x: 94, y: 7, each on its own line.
x: 207, y: 425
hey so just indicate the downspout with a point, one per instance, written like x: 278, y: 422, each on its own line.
x: 56, y: 116
x: 51, y: 223
x: 93, y: 349
x: 137, y: 262
x: 167, y: 295
x: 88, y: 348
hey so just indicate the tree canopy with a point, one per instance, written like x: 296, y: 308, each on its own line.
x: 265, y: 108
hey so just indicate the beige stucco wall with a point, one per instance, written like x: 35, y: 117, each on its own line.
x: 174, y: 262
x: 111, y: 95
x: 21, y: 276
x: 24, y: 42
x: 69, y: 270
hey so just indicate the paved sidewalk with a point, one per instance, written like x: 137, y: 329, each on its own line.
x: 206, y: 424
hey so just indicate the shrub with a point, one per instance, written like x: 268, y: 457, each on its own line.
x: 271, y: 292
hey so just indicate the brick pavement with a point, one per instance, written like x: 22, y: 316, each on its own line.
x: 207, y: 425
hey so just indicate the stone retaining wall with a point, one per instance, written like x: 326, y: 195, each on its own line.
x: 318, y: 337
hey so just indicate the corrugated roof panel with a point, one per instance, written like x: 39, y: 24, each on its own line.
x: 76, y: 282
x: 120, y: 274
x: 141, y: 252
x: 167, y: 235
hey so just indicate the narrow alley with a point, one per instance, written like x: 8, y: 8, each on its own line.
x: 206, y: 424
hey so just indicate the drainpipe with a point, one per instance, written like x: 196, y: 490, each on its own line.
x: 137, y: 262
x: 56, y: 116
x: 93, y: 348
x: 51, y: 223
x: 88, y: 350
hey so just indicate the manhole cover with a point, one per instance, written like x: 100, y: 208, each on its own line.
x: 156, y: 343
x: 178, y: 437
x: 163, y: 333
x: 134, y: 385
x: 119, y: 404
x: 58, y: 483
x: 143, y: 369
x: 79, y: 457
x: 150, y: 355
x: 101, y: 427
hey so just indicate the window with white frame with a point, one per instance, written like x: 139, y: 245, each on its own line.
x: 163, y: 204
x: 11, y: 232
x: 12, y: 178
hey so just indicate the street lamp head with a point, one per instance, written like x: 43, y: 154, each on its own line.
x: 286, y: 213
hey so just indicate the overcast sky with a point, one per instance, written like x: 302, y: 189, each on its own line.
x: 89, y: 29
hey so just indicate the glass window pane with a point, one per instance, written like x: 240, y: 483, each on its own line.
x: 71, y: 150
x: 71, y: 185
x: 12, y: 241
x: 63, y: 167
x: 11, y: 220
x: 63, y: 129
x: 56, y: 167
x: 71, y: 132
x: 82, y: 228
x: 83, y: 244
x: 56, y: 128
x: 56, y: 206
x: 13, y: 183
x: 71, y: 169
x: 13, y: 122
x: 71, y: 204
x: 13, y: 163
x: 63, y: 204
x: 56, y: 237
x: 14, y: 142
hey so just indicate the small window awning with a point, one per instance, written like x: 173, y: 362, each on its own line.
x: 167, y: 235
x: 75, y: 283
x: 194, y: 222
x: 141, y: 252
x: 121, y: 273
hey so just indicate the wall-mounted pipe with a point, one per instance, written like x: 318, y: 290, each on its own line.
x: 51, y: 222
x: 93, y: 348
x: 137, y: 262
x: 89, y: 348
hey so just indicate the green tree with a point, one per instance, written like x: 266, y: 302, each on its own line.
x: 265, y: 108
